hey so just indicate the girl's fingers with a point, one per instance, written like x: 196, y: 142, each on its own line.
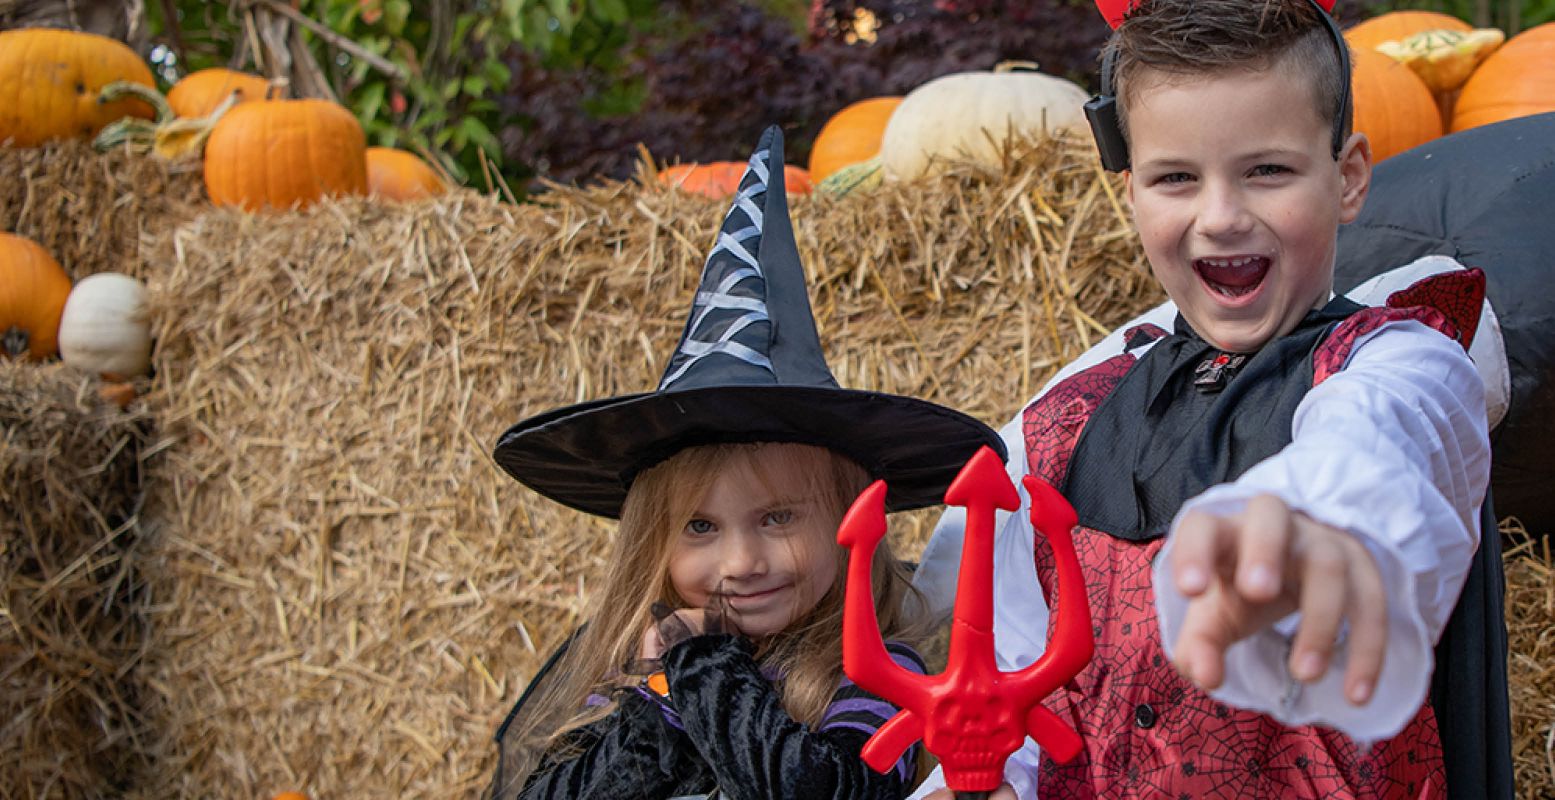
x: 1324, y: 593
x: 652, y: 645
x: 1267, y: 530
x: 1368, y: 626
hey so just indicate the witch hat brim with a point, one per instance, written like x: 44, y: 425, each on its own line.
x: 748, y: 368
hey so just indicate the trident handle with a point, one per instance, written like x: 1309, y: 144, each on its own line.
x: 972, y: 716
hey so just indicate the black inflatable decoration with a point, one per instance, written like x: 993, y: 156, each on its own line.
x: 1485, y: 197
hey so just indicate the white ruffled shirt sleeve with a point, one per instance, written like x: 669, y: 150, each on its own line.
x: 1395, y: 450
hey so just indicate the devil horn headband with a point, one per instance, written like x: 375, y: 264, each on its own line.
x: 1115, y: 10
x: 1102, y: 110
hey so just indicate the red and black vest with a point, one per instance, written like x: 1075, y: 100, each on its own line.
x: 1129, y: 441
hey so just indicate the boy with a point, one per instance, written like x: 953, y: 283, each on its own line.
x: 1281, y: 497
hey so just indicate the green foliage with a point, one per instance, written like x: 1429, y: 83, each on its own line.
x: 1510, y: 16
x: 449, y: 55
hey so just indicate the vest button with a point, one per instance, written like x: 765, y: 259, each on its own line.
x: 1144, y: 716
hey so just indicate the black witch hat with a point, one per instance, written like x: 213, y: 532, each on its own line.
x: 748, y: 368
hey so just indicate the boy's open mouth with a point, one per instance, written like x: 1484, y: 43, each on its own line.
x: 1232, y: 277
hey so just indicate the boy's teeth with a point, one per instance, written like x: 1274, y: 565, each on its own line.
x: 1233, y: 276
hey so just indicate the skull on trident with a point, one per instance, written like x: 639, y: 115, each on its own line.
x: 972, y: 716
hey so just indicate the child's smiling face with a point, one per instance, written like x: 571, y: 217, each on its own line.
x: 1238, y: 198
x: 761, y: 548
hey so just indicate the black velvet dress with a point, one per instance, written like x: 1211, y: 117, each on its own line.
x: 724, y: 729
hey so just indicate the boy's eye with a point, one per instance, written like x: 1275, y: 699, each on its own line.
x: 781, y: 516
x: 1267, y: 170
x: 700, y: 527
x: 1174, y: 177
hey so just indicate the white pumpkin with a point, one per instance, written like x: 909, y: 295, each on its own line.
x: 971, y: 114
x: 105, y: 327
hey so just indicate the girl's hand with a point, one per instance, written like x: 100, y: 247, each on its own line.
x: 669, y: 629
x: 1243, y: 573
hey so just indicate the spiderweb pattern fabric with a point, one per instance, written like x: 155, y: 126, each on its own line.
x: 1449, y: 302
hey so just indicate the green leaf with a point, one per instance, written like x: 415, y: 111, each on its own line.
x: 476, y: 131
x: 395, y: 12
x: 432, y: 118
x: 369, y: 101
x: 475, y: 86
x: 611, y: 11
x: 462, y: 25
x: 497, y: 73
x: 537, y: 32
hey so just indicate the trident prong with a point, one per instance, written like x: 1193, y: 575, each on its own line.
x: 971, y: 716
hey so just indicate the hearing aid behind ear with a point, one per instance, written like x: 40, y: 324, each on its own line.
x: 1101, y: 111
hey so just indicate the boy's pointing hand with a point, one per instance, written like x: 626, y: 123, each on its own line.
x: 1243, y: 573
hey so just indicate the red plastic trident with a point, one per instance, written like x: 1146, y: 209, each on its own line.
x: 971, y: 716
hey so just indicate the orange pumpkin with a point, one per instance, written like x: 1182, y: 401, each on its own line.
x: 50, y: 79
x: 721, y: 179
x: 1396, y: 25
x: 851, y: 135
x: 201, y: 92
x: 33, y: 289
x: 285, y: 153
x: 398, y: 175
x: 1516, y: 81
x: 1393, y: 107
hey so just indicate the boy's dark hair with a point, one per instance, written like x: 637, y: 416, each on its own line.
x: 1202, y: 37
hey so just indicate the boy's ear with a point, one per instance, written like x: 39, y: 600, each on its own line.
x: 1355, y: 175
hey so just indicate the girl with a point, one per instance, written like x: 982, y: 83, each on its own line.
x: 711, y: 662
x: 742, y: 539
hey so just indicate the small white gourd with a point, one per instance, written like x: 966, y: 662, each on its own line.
x: 105, y: 327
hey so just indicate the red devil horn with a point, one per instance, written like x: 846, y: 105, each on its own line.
x: 1114, y: 10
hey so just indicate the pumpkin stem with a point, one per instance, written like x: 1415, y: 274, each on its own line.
x: 181, y: 137
x: 133, y: 130
x: 1015, y: 66
x: 15, y: 342
x: 119, y: 89
x: 277, y: 88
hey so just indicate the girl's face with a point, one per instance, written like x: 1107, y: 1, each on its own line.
x: 758, y: 547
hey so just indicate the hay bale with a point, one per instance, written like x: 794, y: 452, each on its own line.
x: 344, y: 593
x: 1530, y: 622
x: 90, y: 209
x: 70, y: 486
x: 348, y: 594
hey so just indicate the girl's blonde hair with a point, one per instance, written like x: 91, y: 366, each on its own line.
x: 808, y: 654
